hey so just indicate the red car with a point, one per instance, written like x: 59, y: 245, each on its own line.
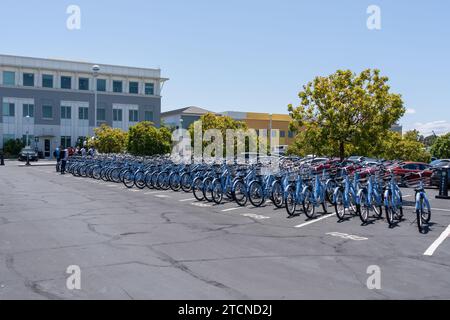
x: 406, y: 171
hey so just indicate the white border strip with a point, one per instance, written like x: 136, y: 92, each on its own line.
x: 316, y: 220
x: 438, y: 242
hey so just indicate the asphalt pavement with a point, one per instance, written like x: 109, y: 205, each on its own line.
x: 147, y: 244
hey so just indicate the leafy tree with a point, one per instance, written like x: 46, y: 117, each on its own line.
x: 407, y: 148
x: 221, y: 123
x: 144, y: 139
x: 12, y: 148
x: 345, y: 113
x: 429, y: 141
x: 109, y: 140
x: 441, y: 147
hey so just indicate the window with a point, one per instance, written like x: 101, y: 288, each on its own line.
x: 83, y: 84
x: 274, y: 133
x: 47, y: 81
x: 282, y: 134
x: 134, y: 116
x: 28, y: 110
x: 66, y: 82
x: 101, y: 85
x: 66, y: 142
x: 117, y: 86
x: 9, y: 110
x: 47, y: 112
x: 117, y: 115
x: 262, y: 132
x: 148, y: 116
x: 28, y: 79
x: 83, y: 113
x: 7, y: 137
x: 66, y: 112
x: 101, y: 115
x: 9, y: 78
x: 134, y: 87
x: 290, y: 134
x: 28, y: 141
x: 149, y: 89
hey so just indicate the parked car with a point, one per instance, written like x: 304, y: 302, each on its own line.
x: 28, y: 152
x: 436, y: 175
x: 440, y: 162
x: 356, y: 159
x: 406, y: 170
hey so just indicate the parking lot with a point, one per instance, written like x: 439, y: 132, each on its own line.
x: 147, y: 244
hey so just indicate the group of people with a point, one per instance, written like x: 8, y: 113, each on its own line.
x: 62, y: 156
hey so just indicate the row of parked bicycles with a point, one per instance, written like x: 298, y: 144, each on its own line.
x: 300, y: 186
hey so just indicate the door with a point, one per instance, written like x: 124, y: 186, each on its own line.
x: 47, y: 148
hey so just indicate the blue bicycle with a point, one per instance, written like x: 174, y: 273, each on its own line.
x: 393, y: 201
x: 423, y: 208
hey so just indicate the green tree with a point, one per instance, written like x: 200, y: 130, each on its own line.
x: 441, y: 147
x: 144, y: 139
x: 221, y: 123
x: 109, y: 140
x: 407, y: 148
x: 12, y: 148
x: 345, y: 113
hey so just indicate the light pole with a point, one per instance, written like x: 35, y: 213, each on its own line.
x: 28, y: 130
x: 95, y: 71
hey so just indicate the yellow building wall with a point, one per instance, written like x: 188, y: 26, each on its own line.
x: 280, y: 122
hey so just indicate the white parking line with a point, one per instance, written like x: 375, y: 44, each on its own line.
x: 430, y: 251
x: 185, y: 200
x: 154, y: 192
x: 314, y: 221
x: 232, y: 209
x: 133, y: 190
x: 161, y: 196
x: 255, y: 216
x: 201, y: 205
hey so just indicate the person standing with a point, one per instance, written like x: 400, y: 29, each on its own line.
x: 57, y: 155
x: 64, y: 158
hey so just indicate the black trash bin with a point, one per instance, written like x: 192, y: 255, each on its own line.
x: 443, y: 183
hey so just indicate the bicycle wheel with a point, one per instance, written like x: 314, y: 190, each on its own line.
x: 390, y: 210
x: 128, y: 179
x: 240, y: 193
x: 174, y: 181
x: 339, y: 205
x: 290, y: 202
x: 363, y: 207
x: 207, y: 189
x: 308, y: 203
x: 256, y: 194
x: 277, y: 195
x: 197, y: 189
x: 139, y: 179
x: 217, y: 192
x: 186, y: 182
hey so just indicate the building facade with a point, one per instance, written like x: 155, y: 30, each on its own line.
x: 182, y: 118
x: 265, y: 121
x: 48, y: 102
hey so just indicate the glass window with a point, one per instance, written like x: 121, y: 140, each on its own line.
x: 133, y: 116
x: 47, y: 81
x: 134, y: 87
x: 28, y: 79
x: 83, y: 113
x: 101, y: 115
x: 28, y: 110
x: 66, y: 112
x: 282, y: 134
x: 66, y: 82
x: 274, y: 133
x: 101, y: 85
x: 66, y: 142
x: 83, y: 84
x: 9, y: 110
x: 117, y: 115
x: 9, y: 78
x: 149, y: 89
x: 28, y: 141
x: 117, y: 86
x: 290, y: 134
x: 148, y: 116
x: 47, y: 112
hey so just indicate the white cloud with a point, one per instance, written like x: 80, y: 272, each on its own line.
x: 410, y: 111
x: 439, y: 127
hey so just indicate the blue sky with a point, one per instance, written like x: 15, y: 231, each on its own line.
x: 249, y: 55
